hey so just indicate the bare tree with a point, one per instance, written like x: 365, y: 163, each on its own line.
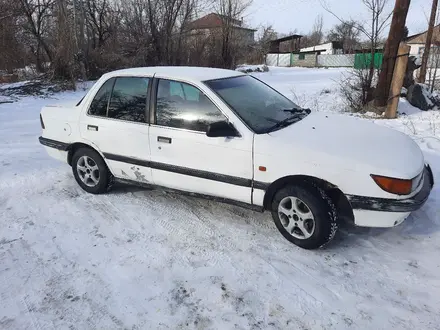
x: 85, y: 38
x: 101, y: 20
x: 263, y: 44
x: 372, y: 29
x: 316, y: 36
x: 10, y: 47
x: 433, y: 65
x: 231, y: 12
x: 347, y: 34
x: 63, y: 58
x: 38, y: 14
x: 167, y: 20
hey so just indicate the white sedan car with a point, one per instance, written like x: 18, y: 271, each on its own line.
x: 226, y: 135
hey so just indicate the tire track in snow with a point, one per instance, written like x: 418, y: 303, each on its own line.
x: 27, y: 298
x: 188, y: 227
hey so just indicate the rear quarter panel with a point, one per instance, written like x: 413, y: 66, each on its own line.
x: 61, y: 123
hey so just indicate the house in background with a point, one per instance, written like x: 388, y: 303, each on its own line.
x: 417, y: 41
x: 289, y: 44
x: 329, y: 48
x: 213, y: 23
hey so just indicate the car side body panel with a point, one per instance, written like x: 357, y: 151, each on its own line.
x: 191, y: 161
x: 240, y: 168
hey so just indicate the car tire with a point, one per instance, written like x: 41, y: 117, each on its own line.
x: 305, y: 215
x: 91, y: 172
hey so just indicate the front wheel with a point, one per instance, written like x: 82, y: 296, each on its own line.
x: 90, y: 171
x: 305, y: 215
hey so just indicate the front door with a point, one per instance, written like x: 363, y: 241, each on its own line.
x: 182, y: 155
x: 116, y: 123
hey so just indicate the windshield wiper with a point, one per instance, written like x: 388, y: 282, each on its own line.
x: 296, y: 110
x: 297, y: 114
x: 285, y: 122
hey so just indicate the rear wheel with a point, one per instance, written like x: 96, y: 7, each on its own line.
x: 90, y: 171
x: 305, y: 215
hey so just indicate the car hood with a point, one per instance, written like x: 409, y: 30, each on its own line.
x: 354, y: 144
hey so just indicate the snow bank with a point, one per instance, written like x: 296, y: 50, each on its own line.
x: 252, y: 68
x: 15, y: 85
x: 6, y: 99
x: 317, y: 89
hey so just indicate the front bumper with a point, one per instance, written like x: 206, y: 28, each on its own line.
x: 396, y: 205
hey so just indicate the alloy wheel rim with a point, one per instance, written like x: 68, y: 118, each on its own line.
x: 88, y: 171
x: 296, y: 217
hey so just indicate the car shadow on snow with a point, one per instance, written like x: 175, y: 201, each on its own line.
x: 178, y: 199
x: 121, y: 189
x: 423, y: 222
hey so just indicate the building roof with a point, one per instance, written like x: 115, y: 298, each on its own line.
x: 293, y: 36
x: 192, y: 74
x: 214, y: 20
x: 420, y: 38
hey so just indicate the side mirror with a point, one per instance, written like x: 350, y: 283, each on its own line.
x: 221, y: 129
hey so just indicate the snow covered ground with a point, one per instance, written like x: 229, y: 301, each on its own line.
x: 140, y: 259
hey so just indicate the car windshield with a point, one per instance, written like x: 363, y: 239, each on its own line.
x: 261, y: 107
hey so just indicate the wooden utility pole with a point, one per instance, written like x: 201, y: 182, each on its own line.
x: 395, y: 36
x: 423, y: 68
x: 397, y: 81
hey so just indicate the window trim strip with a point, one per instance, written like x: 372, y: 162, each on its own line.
x: 110, y: 96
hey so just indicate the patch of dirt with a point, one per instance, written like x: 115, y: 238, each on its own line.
x: 182, y: 299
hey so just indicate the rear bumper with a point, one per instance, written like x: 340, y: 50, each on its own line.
x: 54, y: 144
x: 396, y: 205
x: 377, y: 212
x: 55, y: 149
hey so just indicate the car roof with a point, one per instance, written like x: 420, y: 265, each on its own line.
x: 195, y: 74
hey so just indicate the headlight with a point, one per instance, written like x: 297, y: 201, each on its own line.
x: 394, y: 186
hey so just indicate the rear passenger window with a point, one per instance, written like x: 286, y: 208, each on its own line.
x: 129, y: 98
x: 98, y: 107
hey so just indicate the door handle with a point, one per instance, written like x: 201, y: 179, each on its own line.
x: 164, y: 139
x: 92, y: 128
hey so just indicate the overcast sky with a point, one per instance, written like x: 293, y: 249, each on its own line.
x: 288, y: 15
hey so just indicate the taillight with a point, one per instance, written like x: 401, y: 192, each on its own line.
x: 41, y: 122
x: 392, y: 185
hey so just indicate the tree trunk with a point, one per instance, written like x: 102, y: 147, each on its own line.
x: 370, y: 73
x: 425, y: 58
x: 397, y: 81
x: 39, y: 64
x: 396, y: 35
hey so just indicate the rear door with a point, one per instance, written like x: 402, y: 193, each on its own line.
x: 184, y: 157
x: 116, y: 123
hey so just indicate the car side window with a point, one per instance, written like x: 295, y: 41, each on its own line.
x: 188, y: 109
x: 98, y: 107
x: 129, y: 99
